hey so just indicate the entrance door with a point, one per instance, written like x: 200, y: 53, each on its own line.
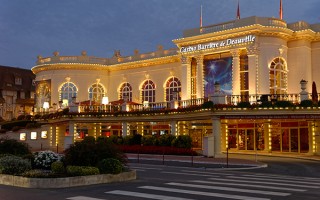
x: 294, y: 143
x: 246, y: 139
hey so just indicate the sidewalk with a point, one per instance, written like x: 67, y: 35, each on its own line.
x: 234, y: 159
x: 195, y: 161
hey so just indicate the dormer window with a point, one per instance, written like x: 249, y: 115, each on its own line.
x: 18, y: 81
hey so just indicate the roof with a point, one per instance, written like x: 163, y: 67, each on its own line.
x: 8, y: 76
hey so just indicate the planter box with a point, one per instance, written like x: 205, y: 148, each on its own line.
x: 19, y: 181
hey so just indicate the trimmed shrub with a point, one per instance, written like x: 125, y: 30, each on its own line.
x: 57, y: 167
x: 244, y: 104
x: 132, y: 139
x: 14, y: 165
x: 166, y: 140
x: 283, y: 104
x: 38, y: 173
x: 182, y: 141
x: 44, y: 159
x: 82, y: 170
x: 14, y: 147
x: 149, y: 140
x: 110, y: 166
x: 307, y: 103
x: 208, y: 104
x: 89, y: 152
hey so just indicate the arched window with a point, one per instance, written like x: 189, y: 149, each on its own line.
x: 173, y: 89
x: 96, y: 92
x: 126, y: 91
x: 278, y: 76
x: 67, y: 91
x: 148, y: 91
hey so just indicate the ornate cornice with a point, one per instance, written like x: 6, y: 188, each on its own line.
x: 97, y: 67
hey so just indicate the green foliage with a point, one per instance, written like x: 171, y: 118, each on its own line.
x: 283, y: 104
x: 166, y: 140
x: 57, y: 167
x: 110, y: 166
x: 14, y: 147
x: 244, y: 104
x: 14, y: 165
x: 266, y: 104
x: 149, y: 140
x: 38, y: 173
x: 89, y: 152
x: 307, y: 103
x: 44, y: 159
x: 9, y: 125
x: 134, y: 139
x: 82, y: 170
x: 207, y: 104
x: 182, y: 141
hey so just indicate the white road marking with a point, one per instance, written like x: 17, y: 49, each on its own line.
x: 83, y: 198
x: 211, y: 194
x: 273, y: 180
x: 145, y: 195
x: 294, y: 179
x: 207, y: 172
x: 231, y: 189
x: 248, y: 185
x: 260, y: 182
x: 180, y: 173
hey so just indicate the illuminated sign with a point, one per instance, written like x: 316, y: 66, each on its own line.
x: 223, y: 43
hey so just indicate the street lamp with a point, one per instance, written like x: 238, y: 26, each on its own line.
x: 105, y: 102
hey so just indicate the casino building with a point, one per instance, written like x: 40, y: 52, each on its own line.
x: 253, y: 60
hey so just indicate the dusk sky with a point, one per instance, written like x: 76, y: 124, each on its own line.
x: 29, y: 28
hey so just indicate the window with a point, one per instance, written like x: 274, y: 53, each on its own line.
x: 244, y: 76
x: 96, y: 92
x: 126, y: 91
x: 67, y: 91
x: 148, y: 91
x: 44, y: 134
x: 33, y: 135
x: 23, y: 136
x: 18, y: 81
x: 278, y: 76
x: 173, y: 89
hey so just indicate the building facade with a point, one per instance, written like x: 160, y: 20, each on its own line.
x: 252, y: 60
x: 16, y: 92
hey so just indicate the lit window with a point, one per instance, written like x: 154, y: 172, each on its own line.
x: 67, y: 91
x: 148, y: 91
x: 44, y: 134
x: 126, y: 91
x: 278, y: 76
x: 96, y: 92
x: 33, y: 135
x: 173, y: 89
x: 23, y: 136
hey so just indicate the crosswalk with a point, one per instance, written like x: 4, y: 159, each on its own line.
x: 213, y: 185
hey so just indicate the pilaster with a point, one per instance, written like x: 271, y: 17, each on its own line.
x: 185, y: 78
x: 253, y: 62
x: 216, y: 129
x: 235, y: 72
x: 200, y: 76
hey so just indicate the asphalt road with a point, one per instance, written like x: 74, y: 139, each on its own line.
x: 284, y: 179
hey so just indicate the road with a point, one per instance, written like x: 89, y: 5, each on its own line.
x: 185, y: 183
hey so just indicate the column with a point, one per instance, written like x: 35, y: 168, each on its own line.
x: 253, y: 63
x: 185, y: 78
x: 173, y: 128
x: 312, y: 141
x: 70, y: 138
x: 235, y: 72
x: 200, y: 77
x: 124, y: 129
x: 216, y: 129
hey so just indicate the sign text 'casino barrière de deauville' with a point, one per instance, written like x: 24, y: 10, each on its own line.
x: 223, y: 43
